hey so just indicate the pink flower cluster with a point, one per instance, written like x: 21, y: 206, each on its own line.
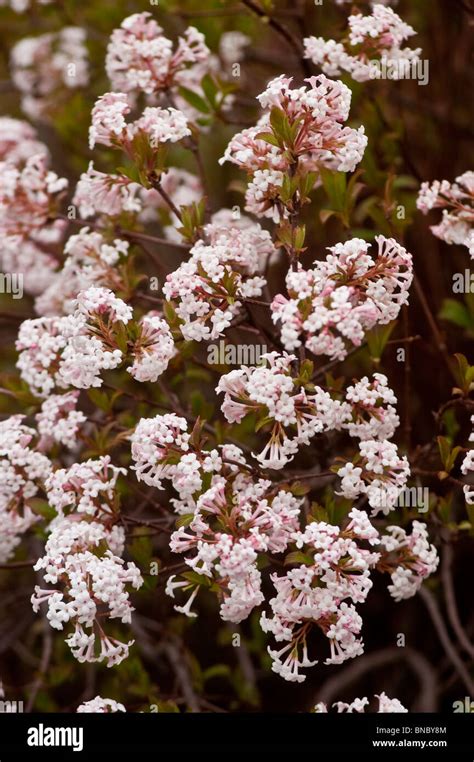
x: 19, y: 141
x: 372, y: 413
x: 140, y: 57
x: 29, y: 197
x: 82, y: 558
x: 334, y: 575
x: 156, y: 125
x: 344, y: 296
x: 23, y: 471
x: 162, y: 449
x: 59, y: 422
x: 209, y: 288
x: 316, y: 114
x: 153, y: 348
x: 457, y: 202
x: 57, y: 352
x: 85, y: 488
x: 372, y: 42
x: 234, y: 520
x: 229, y: 519
x: 72, y: 350
x: 91, y: 260
x: 98, y: 193
x: 409, y: 558
x: 378, y: 472
x: 337, y: 570
x: 280, y: 401
x: 296, y: 412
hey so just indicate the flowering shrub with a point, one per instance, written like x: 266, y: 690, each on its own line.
x: 211, y: 531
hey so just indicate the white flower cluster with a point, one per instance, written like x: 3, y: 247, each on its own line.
x: 373, y: 42
x: 386, y: 705
x: 84, y: 488
x: 317, y: 113
x: 272, y: 392
x: 80, y: 557
x: 100, y: 705
x: 23, y: 472
x: 74, y: 350
x: 378, y: 472
x: 140, y: 57
x: 221, y: 272
x: 416, y: 559
x: 343, y: 296
x: 234, y: 521
x: 317, y: 593
x: 157, y: 125
x: 59, y: 421
x: 467, y: 466
x: 91, y: 260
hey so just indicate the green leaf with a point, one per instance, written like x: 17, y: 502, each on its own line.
x: 184, y: 520
x: 298, y: 557
x: 377, y: 339
x: 456, y: 312
x: 334, y: 184
x: 194, y: 100
x: 268, y: 137
x: 141, y: 550
x: 210, y: 89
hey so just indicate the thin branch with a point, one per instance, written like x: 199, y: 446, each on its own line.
x: 125, y: 232
x: 46, y: 652
x: 337, y: 685
x: 18, y: 564
x: 183, y: 677
x: 432, y: 323
x: 434, y: 612
x: 166, y: 198
x: 282, y: 31
x: 450, y: 598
